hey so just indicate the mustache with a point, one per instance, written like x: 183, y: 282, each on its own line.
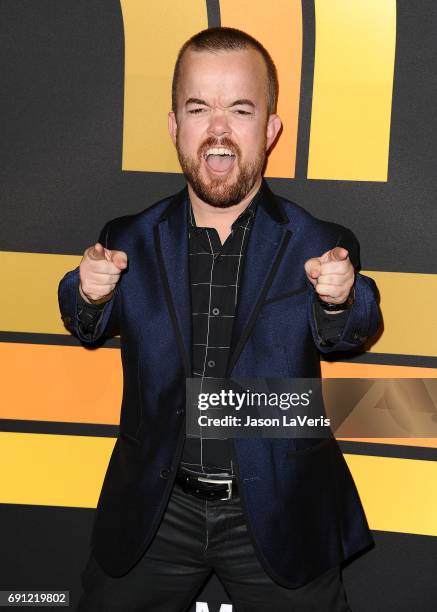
x: 220, y: 142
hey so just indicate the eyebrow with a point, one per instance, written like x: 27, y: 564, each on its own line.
x: 242, y: 101
x: 195, y: 101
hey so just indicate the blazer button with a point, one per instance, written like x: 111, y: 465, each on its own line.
x: 165, y: 473
x: 180, y: 411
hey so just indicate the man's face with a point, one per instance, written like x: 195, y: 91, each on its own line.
x: 222, y: 129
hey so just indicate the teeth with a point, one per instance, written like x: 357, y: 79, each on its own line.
x: 218, y: 151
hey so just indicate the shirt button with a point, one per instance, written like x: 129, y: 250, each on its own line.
x: 164, y: 473
x: 215, y: 311
x: 211, y: 363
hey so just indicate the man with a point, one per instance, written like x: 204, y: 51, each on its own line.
x: 222, y: 279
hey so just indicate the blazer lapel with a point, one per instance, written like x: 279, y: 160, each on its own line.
x: 268, y: 240
x: 171, y: 244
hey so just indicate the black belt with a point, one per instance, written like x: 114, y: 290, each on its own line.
x: 207, y: 487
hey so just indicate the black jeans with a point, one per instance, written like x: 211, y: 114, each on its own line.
x: 195, y: 538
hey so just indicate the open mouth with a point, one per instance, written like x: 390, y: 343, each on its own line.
x: 219, y: 159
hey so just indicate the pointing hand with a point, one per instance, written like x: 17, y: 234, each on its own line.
x: 100, y: 271
x: 332, y: 275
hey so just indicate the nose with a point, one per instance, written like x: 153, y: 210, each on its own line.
x: 218, y: 124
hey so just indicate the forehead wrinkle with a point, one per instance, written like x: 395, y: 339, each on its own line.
x: 198, y: 81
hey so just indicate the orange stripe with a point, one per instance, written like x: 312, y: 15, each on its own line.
x: 60, y: 383
x: 340, y: 369
x: 280, y: 31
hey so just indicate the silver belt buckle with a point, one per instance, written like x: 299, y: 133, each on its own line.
x: 219, y: 481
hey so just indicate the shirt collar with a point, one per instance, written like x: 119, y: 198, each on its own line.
x: 265, y: 198
x: 244, y: 218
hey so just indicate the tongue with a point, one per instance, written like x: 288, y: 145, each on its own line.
x: 220, y: 163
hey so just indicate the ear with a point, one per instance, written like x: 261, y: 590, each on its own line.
x: 274, y: 124
x: 172, y: 126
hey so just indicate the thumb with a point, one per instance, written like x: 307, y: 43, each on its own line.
x: 119, y: 258
x: 313, y: 268
x: 338, y: 254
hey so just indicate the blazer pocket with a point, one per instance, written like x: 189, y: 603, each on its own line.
x: 131, y: 439
x: 309, y: 450
x: 287, y: 294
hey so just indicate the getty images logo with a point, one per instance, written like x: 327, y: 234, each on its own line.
x: 202, y: 606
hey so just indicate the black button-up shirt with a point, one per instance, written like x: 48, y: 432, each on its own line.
x: 215, y: 277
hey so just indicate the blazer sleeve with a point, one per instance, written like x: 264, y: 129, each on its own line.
x: 107, y: 324
x: 364, y: 316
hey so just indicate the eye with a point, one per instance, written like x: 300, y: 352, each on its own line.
x: 196, y: 111
x: 242, y: 112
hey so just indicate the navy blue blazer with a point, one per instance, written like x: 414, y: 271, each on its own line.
x: 302, y: 508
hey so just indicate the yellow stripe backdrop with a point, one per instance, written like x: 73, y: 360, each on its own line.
x: 153, y: 34
x: 352, y: 93
x: 408, y: 304
x: 52, y: 470
x: 30, y: 303
x: 397, y: 494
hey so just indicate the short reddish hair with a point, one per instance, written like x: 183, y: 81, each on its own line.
x: 228, y: 39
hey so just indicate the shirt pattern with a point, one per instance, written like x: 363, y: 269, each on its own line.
x: 215, y: 277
